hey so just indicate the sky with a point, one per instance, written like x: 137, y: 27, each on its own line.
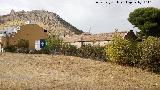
x: 84, y: 14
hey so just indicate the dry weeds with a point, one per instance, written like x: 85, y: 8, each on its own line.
x: 44, y: 72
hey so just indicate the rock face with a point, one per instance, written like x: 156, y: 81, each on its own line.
x: 48, y: 20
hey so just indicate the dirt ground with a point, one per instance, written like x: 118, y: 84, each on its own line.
x: 44, y: 72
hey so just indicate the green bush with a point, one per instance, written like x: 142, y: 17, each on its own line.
x: 145, y: 54
x: 123, y: 51
x: 23, y: 46
x: 68, y: 49
x: 86, y: 51
x: 22, y: 43
x: 94, y: 52
x: 43, y: 51
x: 53, y: 44
x: 150, y: 54
x: 100, y: 53
x: 10, y: 48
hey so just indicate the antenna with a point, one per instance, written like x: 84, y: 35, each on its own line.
x: 116, y: 30
x: 90, y: 30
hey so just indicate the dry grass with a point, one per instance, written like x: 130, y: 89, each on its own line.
x: 44, y: 72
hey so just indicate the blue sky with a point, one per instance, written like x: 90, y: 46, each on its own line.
x: 83, y: 14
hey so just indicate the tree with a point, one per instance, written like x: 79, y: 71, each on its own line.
x: 22, y: 43
x: 53, y: 43
x: 147, y: 20
x: 23, y: 46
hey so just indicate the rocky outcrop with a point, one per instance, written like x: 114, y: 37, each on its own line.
x: 48, y: 20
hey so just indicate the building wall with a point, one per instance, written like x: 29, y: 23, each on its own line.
x: 31, y: 32
x: 86, y: 43
x: 101, y: 43
x: 77, y: 44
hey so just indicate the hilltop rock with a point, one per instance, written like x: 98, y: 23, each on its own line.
x: 48, y: 20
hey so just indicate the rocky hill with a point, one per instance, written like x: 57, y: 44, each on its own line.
x: 48, y: 20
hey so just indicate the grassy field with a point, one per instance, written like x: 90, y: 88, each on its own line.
x: 44, y: 72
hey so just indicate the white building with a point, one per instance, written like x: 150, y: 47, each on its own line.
x: 7, y: 31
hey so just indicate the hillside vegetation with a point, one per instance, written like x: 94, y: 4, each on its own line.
x: 46, y: 72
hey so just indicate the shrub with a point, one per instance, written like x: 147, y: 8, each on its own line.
x: 86, y: 51
x: 53, y: 44
x: 32, y: 51
x: 93, y: 52
x: 44, y: 51
x: 22, y: 43
x: 10, y: 48
x: 150, y: 54
x: 22, y: 50
x: 145, y: 54
x: 23, y: 46
x: 122, y: 51
x: 68, y: 49
x: 100, y: 53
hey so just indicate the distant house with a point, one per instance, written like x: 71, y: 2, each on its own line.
x: 130, y: 35
x: 93, y: 39
x: 30, y: 32
x: 3, y: 33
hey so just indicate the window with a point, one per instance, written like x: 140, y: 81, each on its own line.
x: 45, y: 30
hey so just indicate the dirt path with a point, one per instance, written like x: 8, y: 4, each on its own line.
x: 44, y: 72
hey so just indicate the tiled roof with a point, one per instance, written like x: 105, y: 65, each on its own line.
x: 94, y: 37
x: 74, y: 38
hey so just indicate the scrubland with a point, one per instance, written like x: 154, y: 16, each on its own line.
x: 58, y: 72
